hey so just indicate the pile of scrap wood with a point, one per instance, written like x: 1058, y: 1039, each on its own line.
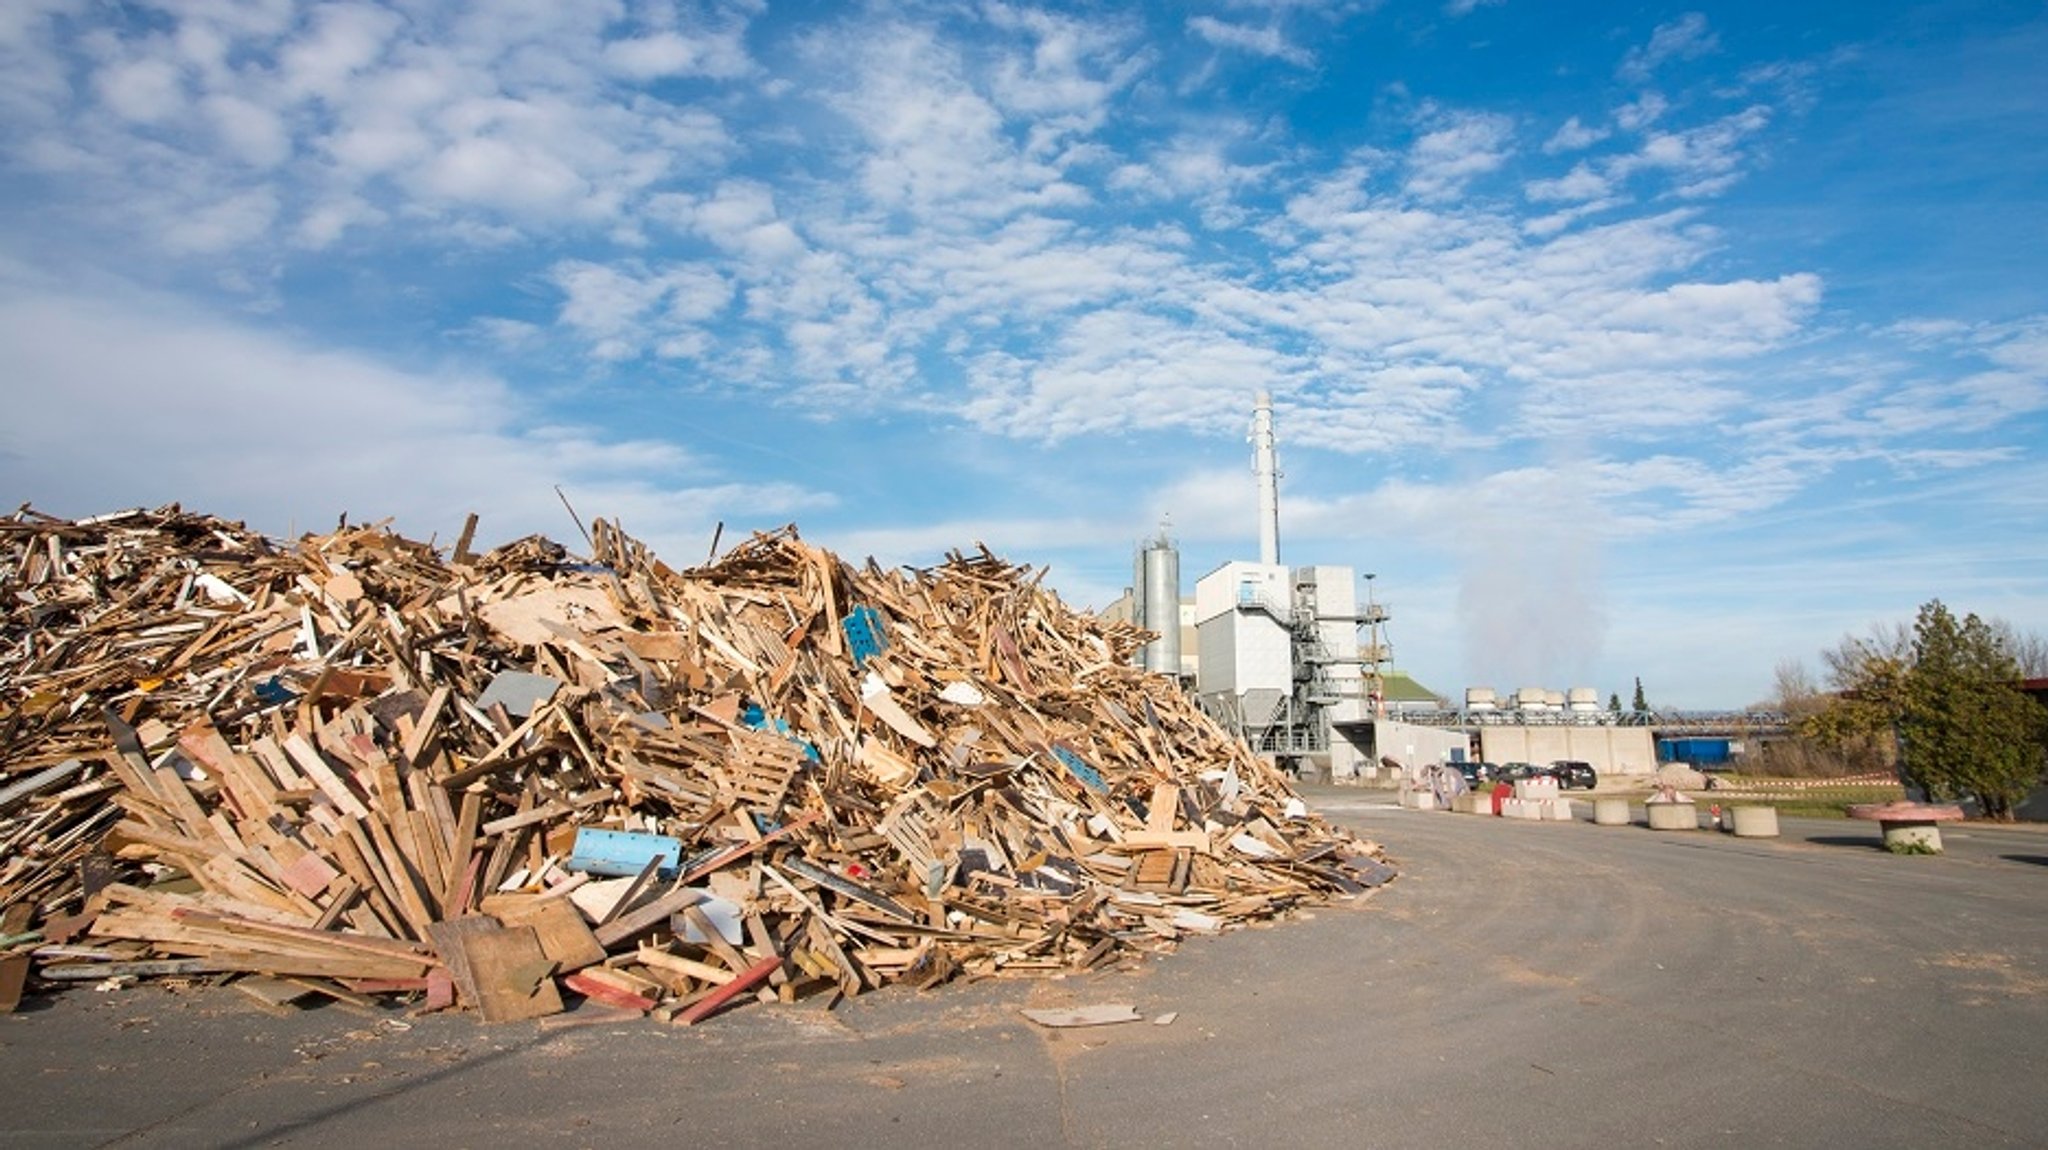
x: 352, y: 768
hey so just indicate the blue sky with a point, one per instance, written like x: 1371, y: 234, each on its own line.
x: 1659, y: 341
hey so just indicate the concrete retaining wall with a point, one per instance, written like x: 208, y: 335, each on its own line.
x: 1611, y: 750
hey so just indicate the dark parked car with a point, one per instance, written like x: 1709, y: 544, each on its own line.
x: 1477, y: 774
x: 1509, y: 772
x: 1571, y: 773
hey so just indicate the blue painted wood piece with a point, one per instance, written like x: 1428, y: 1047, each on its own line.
x: 623, y: 852
x: 864, y: 633
x: 1080, y: 769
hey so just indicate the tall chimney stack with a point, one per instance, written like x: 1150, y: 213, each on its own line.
x: 1268, y: 471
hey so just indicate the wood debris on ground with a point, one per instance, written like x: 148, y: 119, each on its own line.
x: 354, y: 769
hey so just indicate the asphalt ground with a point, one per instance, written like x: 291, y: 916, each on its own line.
x: 1522, y: 984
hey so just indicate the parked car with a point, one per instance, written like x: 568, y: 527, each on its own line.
x: 1509, y: 772
x: 1571, y: 773
x: 1477, y: 774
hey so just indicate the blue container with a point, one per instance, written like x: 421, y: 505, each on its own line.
x: 1693, y: 752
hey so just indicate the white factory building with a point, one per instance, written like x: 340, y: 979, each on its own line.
x: 1292, y: 658
x: 1272, y: 650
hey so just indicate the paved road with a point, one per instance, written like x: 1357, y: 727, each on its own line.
x: 1521, y: 985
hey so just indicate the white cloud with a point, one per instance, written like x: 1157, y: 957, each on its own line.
x: 1580, y: 184
x: 342, y: 42
x: 225, y: 224
x: 1686, y: 38
x: 1113, y: 369
x: 1572, y: 136
x: 1066, y: 82
x: 287, y: 436
x: 327, y: 221
x: 662, y: 54
x: 145, y: 90
x: 253, y: 134
x: 623, y: 310
x: 1269, y: 42
x: 490, y: 120
x: 1702, y: 160
x: 1454, y: 149
x: 1641, y: 112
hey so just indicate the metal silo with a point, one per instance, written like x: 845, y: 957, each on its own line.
x: 1158, y: 591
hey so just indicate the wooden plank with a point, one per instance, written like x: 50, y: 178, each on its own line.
x: 383, y: 855
x: 588, y: 984
x: 426, y: 727
x: 277, y: 935
x: 450, y: 940
x: 341, y: 850
x: 641, y: 882
x: 13, y: 977
x: 147, y: 968
x: 276, y: 995
x: 710, y: 1004
x: 183, y: 845
x: 688, y: 967
x: 1168, y: 840
x: 432, y: 804
x: 328, y: 989
x: 310, y: 874
x: 232, y: 875
x: 276, y: 764
x: 513, y: 976
x: 646, y: 918
x: 460, y: 848
x: 307, y: 758
x: 564, y: 936
x: 552, y: 810
x: 409, y: 860
x: 1165, y: 804
x: 714, y: 940
x: 440, y: 990
x: 245, y: 784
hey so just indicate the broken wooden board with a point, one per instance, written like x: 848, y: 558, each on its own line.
x: 13, y: 977
x: 275, y: 995
x: 564, y: 936
x: 1103, y: 1015
x: 514, y: 977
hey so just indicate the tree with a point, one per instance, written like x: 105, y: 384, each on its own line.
x: 1614, y: 703
x: 1966, y: 726
x: 2028, y: 648
x: 1794, y: 693
x: 1799, y: 697
x: 1868, y: 676
x: 1640, y: 706
x: 1942, y: 702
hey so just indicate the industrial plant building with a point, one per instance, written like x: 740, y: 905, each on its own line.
x: 1293, y: 659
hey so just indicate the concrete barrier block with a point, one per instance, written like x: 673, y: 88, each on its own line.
x: 1610, y: 812
x: 1557, y: 810
x: 1912, y: 838
x: 1754, y: 822
x: 1673, y: 816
